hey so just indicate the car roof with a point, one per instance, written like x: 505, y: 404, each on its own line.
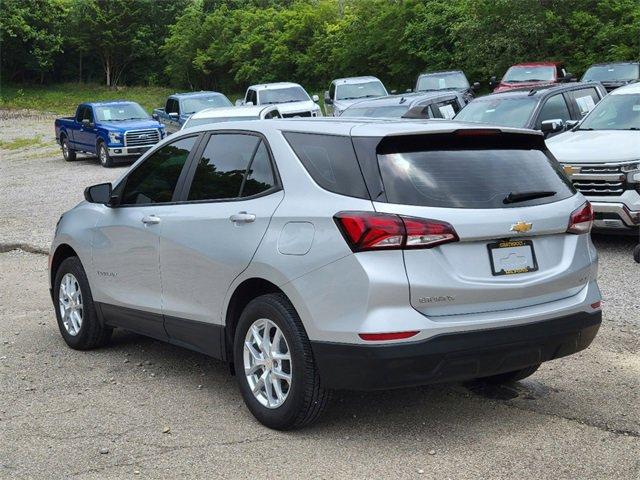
x: 408, y: 99
x: 632, y: 88
x: 541, y: 91
x: 274, y: 85
x: 357, y: 127
x: 362, y: 79
x: 539, y: 64
x: 240, y: 111
x: 613, y: 63
x: 201, y: 93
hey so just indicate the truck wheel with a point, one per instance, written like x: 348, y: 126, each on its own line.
x: 636, y: 253
x: 78, y: 321
x: 514, y: 376
x: 68, y: 154
x: 274, y: 364
x: 103, y: 155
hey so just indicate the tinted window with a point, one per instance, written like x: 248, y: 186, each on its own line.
x: 470, y: 178
x: 446, y: 109
x: 80, y: 113
x: 331, y: 162
x: 260, y: 175
x: 555, y: 107
x: 585, y: 99
x: 155, y: 180
x: 222, y: 167
x: 252, y: 97
x: 172, y: 106
x: 615, y: 72
x: 505, y: 112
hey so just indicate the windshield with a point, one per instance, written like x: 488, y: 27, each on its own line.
x: 614, y: 72
x: 529, y: 74
x: 194, y: 122
x: 282, y: 95
x: 195, y: 104
x: 360, y: 90
x: 514, y: 112
x: 393, y: 111
x: 122, y: 111
x: 614, y: 112
x: 442, y: 81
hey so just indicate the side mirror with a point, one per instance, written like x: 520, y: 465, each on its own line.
x: 552, y: 126
x: 174, y: 115
x: 568, y: 78
x: 569, y: 124
x: 86, y: 122
x: 475, y: 86
x: 393, y: 92
x: 327, y: 98
x: 239, y: 102
x: 154, y: 115
x: 408, y: 90
x: 315, y: 98
x: 100, y: 193
x: 248, y: 104
x: 493, y: 81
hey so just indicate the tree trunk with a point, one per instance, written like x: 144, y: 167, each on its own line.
x: 80, y: 69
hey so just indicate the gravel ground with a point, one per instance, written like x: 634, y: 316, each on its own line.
x: 143, y: 408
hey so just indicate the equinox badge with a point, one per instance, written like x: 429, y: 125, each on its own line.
x: 521, y: 227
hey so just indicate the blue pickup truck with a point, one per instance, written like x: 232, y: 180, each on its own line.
x: 113, y: 131
x: 180, y: 106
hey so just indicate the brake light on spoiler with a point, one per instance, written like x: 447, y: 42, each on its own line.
x: 365, y: 231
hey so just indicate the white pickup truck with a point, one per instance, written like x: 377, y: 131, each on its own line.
x: 292, y: 100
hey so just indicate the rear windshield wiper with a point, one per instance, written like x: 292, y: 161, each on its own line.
x: 515, y: 197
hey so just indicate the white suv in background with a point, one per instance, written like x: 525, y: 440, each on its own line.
x: 292, y: 100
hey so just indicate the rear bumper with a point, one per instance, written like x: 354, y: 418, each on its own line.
x: 453, y: 356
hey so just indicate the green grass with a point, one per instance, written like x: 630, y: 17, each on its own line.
x: 64, y: 98
x: 17, y: 143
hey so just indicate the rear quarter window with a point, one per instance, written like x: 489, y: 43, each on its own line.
x: 331, y: 162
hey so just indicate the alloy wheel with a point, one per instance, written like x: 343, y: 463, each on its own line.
x: 70, y: 302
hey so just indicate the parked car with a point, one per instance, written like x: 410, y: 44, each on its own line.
x: 551, y: 108
x: 602, y: 157
x: 230, y: 114
x: 292, y: 100
x: 450, y: 80
x: 114, y: 131
x: 180, y: 106
x: 532, y: 74
x: 613, y: 75
x: 438, y: 104
x: 344, y: 92
x: 336, y: 255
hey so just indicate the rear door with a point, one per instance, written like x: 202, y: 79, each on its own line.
x: 209, y: 238
x: 508, y: 254
x: 582, y: 101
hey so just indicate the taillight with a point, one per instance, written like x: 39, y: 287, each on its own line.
x: 581, y: 220
x: 383, y: 231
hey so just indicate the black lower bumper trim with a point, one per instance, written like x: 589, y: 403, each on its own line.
x: 454, y: 356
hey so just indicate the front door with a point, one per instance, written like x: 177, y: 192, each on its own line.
x: 210, y: 237
x: 126, y: 242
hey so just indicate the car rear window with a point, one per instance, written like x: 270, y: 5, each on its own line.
x: 470, y: 178
x: 331, y: 162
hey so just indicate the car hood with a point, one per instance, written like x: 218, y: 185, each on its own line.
x: 504, y: 86
x: 131, y: 125
x: 293, y: 107
x: 598, y: 146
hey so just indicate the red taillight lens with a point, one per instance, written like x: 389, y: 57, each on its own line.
x: 379, y: 231
x: 376, y: 337
x: 581, y: 219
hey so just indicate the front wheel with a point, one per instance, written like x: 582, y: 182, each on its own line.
x: 67, y: 153
x: 103, y: 155
x: 276, y: 372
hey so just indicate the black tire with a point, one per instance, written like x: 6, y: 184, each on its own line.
x: 636, y: 253
x: 510, y: 377
x: 92, y: 332
x: 103, y: 155
x: 67, y: 153
x: 307, y: 399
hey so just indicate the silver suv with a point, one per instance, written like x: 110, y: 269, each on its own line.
x: 336, y: 254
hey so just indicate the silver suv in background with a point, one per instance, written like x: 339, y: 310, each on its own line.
x: 292, y: 100
x: 448, y: 80
x: 344, y: 92
x: 336, y: 254
x: 602, y: 157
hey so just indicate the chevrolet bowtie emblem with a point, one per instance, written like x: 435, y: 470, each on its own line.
x: 568, y: 169
x: 521, y: 227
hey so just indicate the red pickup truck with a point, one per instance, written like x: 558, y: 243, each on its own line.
x: 532, y: 74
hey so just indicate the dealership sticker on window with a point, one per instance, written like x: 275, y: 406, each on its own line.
x: 585, y: 104
x: 447, y: 112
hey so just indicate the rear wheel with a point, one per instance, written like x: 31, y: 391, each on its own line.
x: 275, y: 368
x: 103, y: 155
x: 75, y: 311
x: 514, y: 376
x: 67, y: 153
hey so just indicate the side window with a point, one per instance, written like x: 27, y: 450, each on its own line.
x: 447, y: 109
x: 155, y: 180
x: 434, y: 112
x: 172, y: 106
x: 252, y: 97
x: 222, y: 167
x: 584, y: 99
x: 88, y: 114
x: 331, y: 162
x: 260, y: 174
x: 555, y: 107
x: 332, y: 91
x: 272, y: 114
x: 80, y: 113
x: 169, y: 106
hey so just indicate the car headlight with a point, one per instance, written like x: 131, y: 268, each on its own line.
x: 115, y: 137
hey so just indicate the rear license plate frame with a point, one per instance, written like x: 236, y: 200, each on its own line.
x: 506, y: 244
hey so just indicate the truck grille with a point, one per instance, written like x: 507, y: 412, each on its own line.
x: 296, y: 114
x: 599, y: 180
x: 135, y: 138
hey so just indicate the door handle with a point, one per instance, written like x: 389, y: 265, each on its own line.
x: 150, y: 220
x: 242, y: 217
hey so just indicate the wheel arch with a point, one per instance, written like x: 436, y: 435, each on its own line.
x: 62, y: 252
